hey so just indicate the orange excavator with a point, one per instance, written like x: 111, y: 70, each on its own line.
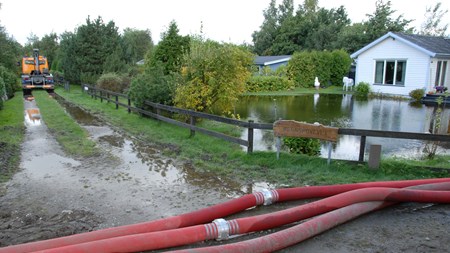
x: 35, y: 74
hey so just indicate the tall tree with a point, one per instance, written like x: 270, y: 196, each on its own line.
x: 285, y: 10
x: 135, y: 44
x: 95, y: 41
x: 10, y: 50
x: 382, y: 21
x: 433, y: 21
x: 169, y: 51
x: 32, y: 42
x: 327, y: 25
x: 84, y: 52
x: 68, y: 57
x: 311, y: 6
x: 264, y: 38
x: 49, y: 47
x: 352, y: 38
x: 310, y: 30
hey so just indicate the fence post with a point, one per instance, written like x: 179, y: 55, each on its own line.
x: 192, y: 122
x: 250, y: 137
x: 101, y: 96
x: 117, y: 102
x: 362, y: 146
x: 129, y: 104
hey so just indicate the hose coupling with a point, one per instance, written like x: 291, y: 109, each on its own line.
x: 223, y: 230
x: 266, y: 197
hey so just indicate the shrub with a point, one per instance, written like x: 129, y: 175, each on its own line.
x: 269, y: 83
x: 304, y: 67
x: 89, y: 78
x: 153, y: 86
x: 11, y: 81
x: 417, y: 94
x: 362, y: 89
x: 58, y: 76
x: 214, y: 75
x: 111, y: 82
x: 305, y: 146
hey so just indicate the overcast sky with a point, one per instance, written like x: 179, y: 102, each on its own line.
x: 223, y: 20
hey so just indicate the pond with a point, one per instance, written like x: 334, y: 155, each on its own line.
x: 345, y: 111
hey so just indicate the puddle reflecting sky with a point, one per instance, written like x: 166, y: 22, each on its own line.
x: 146, y: 163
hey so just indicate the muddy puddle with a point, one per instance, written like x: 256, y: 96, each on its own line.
x: 145, y: 184
x: 147, y: 163
x: 128, y: 182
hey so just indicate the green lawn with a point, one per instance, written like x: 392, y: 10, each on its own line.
x: 229, y: 160
x: 12, y: 131
x: 72, y: 137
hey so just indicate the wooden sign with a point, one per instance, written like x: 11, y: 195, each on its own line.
x: 292, y: 128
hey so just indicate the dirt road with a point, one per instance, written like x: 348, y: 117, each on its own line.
x: 55, y: 195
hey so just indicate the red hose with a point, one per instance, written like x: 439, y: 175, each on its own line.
x: 210, y: 213
x: 289, y: 194
x: 276, y: 219
x: 315, y: 226
x: 177, y: 237
x: 293, y: 235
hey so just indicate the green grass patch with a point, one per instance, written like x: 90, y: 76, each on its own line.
x: 71, y: 136
x: 12, y: 132
x: 439, y: 162
x: 301, y: 91
x: 210, y: 154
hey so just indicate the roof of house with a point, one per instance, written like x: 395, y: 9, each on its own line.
x: 431, y: 45
x: 269, y: 60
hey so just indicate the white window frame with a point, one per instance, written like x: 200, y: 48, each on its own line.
x: 384, y: 71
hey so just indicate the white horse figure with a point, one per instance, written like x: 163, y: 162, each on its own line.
x: 348, y: 83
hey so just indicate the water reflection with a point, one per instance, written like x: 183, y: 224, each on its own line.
x: 145, y: 163
x: 345, y: 111
x: 32, y: 114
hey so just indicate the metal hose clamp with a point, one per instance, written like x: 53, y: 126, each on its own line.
x: 268, y: 197
x: 223, y: 230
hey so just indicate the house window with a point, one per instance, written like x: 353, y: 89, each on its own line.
x: 440, y: 73
x: 390, y: 72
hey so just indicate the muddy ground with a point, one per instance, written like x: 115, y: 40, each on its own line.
x: 54, y: 195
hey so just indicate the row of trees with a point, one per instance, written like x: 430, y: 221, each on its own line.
x: 313, y: 28
x: 9, y: 51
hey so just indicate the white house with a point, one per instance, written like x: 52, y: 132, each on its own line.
x: 398, y: 63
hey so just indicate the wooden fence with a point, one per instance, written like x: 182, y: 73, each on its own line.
x: 193, y: 115
x: 250, y: 125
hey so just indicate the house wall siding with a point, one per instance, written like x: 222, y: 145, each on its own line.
x: 417, y: 66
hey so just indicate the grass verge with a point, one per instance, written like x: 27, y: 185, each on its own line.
x: 12, y: 132
x: 211, y: 154
x: 71, y: 136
